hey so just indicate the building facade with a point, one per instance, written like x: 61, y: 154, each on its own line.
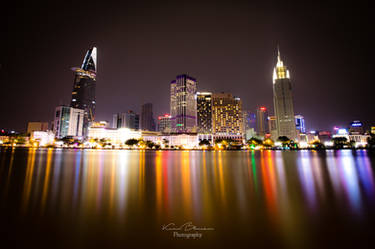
x: 300, y: 123
x: 36, y: 126
x: 83, y: 94
x: 283, y: 101
x: 183, y: 104
x: 227, y: 118
x: 147, y: 118
x: 262, y: 121
x: 128, y: 120
x: 68, y: 122
x: 272, y: 127
x: 204, y: 112
x: 356, y: 128
x: 164, y: 123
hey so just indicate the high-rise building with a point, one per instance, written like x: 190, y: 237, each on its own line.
x: 147, y: 118
x: 164, y: 123
x: 183, y: 104
x: 126, y: 120
x: 36, y: 126
x: 204, y: 112
x: 68, y: 122
x: 300, y: 123
x: 227, y: 118
x: 283, y: 101
x: 262, y: 121
x: 83, y: 94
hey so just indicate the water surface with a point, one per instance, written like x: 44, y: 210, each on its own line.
x: 54, y: 198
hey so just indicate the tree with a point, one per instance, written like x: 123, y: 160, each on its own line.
x: 339, y: 142
x: 150, y: 144
x: 268, y: 142
x: 131, y: 142
x: 318, y: 145
x: 371, y: 141
x: 204, y: 142
x: 254, y: 141
x: 283, y: 139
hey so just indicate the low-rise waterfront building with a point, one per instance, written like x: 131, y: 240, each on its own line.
x: 68, y: 122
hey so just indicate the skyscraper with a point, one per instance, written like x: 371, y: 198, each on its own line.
x: 262, y: 121
x: 283, y: 101
x: 68, y: 122
x: 147, y: 118
x: 83, y: 94
x: 204, y: 112
x: 183, y: 104
x: 227, y: 118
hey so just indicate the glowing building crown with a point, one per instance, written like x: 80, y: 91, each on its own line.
x: 280, y: 71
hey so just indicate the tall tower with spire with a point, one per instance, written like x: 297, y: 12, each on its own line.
x: 83, y: 94
x: 283, y: 100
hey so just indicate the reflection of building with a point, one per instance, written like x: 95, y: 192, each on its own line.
x: 356, y: 128
x: 204, y: 112
x: 262, y: 121
x: 183, y: 104
x: 68, y: 122
x: 37, y: 126
x: 300, y: 123
x: 164, y: 123
x: 147, y: 118
x: 283, y: 101
x: 83, y: 94
x: 126, y: 120
x: 226, y: 115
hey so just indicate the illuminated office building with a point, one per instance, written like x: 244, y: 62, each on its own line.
x: 183, y: 104
x: 147, y: 118
x: 227, y: 117
x: 356, y: 128
x: 68, y: 122
x: 83, y: 94
x: 262, y: 121
x: 164, y: 123
x: 283, y: 101
x: 204, y: 112
x: 300, y: 123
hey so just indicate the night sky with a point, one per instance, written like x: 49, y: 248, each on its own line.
x: 228, y: 46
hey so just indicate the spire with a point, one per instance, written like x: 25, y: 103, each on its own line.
x: 89, y: 62
x: 280, y: 71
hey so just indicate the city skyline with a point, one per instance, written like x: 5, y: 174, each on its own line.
x: 319, y: 61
